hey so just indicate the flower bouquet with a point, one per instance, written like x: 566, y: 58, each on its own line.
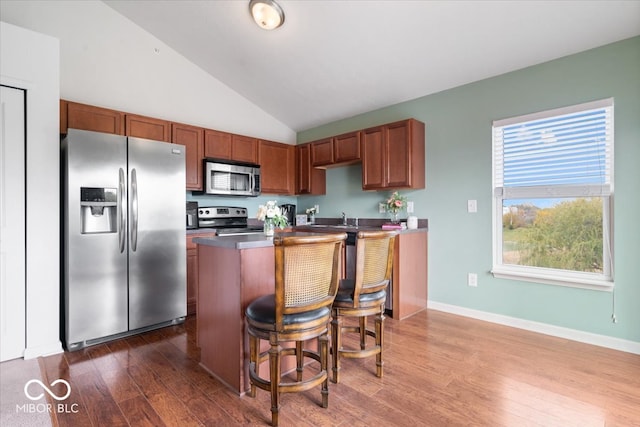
x: 394, y: 204
x: 272, y: 216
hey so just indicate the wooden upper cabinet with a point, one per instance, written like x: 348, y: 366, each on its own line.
x: 217, y: 145
x: 277, y: 167
x: 88, y: 117
x: 336, y: 151
x: 322, y: 152
x: 309, y: 180
x: 394, y: 156
x: 193, y: 140
x: 63, y: 117
x: 244, y: 149
x: 227, y: 146
x: 373, y: 158
x: 346, y: 148
x: 147, y: 127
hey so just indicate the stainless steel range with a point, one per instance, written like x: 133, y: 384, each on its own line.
x: 226, y: 220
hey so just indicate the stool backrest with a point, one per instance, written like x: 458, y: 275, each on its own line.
x: 374, y: 259
x: 307, y: 272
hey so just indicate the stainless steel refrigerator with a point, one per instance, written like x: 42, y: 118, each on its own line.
x: 124, y: 258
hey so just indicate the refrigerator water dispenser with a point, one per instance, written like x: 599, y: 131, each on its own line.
x: 98, y: 210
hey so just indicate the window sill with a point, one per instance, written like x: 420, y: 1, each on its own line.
x: 573, y: 280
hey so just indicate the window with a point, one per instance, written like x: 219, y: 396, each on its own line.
x: 553, y: 196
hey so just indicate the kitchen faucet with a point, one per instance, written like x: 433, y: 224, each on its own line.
x: 344, y: 218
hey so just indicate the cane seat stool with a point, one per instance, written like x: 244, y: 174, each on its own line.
x: 363, y: 296
x: 307, y: 270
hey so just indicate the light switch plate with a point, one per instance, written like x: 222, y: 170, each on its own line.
x: 409, y: 207
x: 381, y: 208
x: 472, y: 206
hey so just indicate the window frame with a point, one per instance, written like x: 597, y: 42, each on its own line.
x: 597, y: 281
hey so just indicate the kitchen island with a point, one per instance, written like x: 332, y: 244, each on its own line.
x: 232, y: 272
x: 235, y: 270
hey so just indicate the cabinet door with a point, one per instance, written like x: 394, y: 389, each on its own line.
x: 397, y: 150
x: 322, y: 152
x: 373, y: 158
x: 88, y: 117
x: 277, y: 167
x: 244, y: 149
x: 217, y: 145
x: 193, y: 139
x: 309, y: 180
x: 347, y: 147
x: 147, y: 127
x: 405, y: 154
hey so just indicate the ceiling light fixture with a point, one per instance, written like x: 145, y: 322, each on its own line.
x: 267, y: 13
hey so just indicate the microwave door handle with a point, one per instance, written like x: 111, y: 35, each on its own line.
x: 134, y: 210
x: 122, y: 206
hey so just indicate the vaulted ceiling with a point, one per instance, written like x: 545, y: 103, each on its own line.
x: 336, y: 59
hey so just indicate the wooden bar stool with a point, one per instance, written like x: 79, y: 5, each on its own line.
x: 306, y: 282
x: 363, y: 296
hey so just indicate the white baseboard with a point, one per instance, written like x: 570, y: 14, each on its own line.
x: 43, y: 350
x: 542, y: 328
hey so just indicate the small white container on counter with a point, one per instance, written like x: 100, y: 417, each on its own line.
x: 412, y: 222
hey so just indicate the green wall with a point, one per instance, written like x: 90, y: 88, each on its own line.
x: 458, y: 167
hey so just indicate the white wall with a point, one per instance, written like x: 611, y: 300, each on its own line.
x: 108, y: 61
x: 31, y: 61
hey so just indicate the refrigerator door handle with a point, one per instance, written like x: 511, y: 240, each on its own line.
x: 134, y: 210
x: 122, y: 233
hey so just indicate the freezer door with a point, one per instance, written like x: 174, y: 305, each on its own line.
x: 95, y: 255
x: 157, y: 243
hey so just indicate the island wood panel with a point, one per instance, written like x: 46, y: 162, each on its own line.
x: 409, y: 275
x: 228, y: 280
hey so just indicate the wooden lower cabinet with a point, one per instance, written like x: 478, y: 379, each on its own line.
x: 192, y: 271
x: 409, y: 278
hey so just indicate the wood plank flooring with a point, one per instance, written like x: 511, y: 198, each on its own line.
x: 440, y: 369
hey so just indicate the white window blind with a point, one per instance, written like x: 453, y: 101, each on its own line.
x: 566, y: 150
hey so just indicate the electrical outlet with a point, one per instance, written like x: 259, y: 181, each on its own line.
x: 472, y: 279
x: 409, y: 207
x: 381, y: 208
x: 317, y: 209
x: 472, y: 206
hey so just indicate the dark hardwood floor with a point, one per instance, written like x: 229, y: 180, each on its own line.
x: 440, y: 369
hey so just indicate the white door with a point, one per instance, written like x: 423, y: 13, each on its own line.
x: 12, y: 223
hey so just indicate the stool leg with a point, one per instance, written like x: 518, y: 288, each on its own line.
x: 363, y: 332
x: 336, y: 344
x: 379, y: 341
x: 274, y: 372
x: 253, y: 361
x: 324, y: 361
x: 299, y: 360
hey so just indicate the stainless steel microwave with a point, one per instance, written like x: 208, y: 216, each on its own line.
x: 231, y: 179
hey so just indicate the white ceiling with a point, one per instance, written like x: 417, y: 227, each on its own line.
x: 336, y: 59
